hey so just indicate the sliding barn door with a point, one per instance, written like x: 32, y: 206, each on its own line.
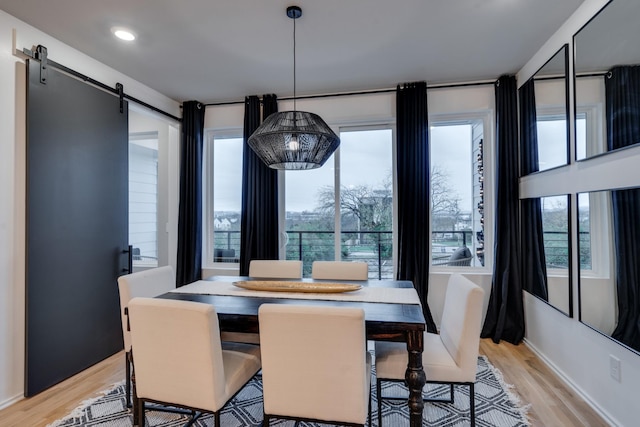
x: 77, y: 178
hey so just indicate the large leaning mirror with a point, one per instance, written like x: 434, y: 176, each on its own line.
x: 609, y: 248
x: 546, y: 250
x: 607, y: 80
x: 544, y: 116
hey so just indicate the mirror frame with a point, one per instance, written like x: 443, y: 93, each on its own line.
x: 569, y: 312
x: 579, y: 282
x: 567, y: 113
x: 576, y: 75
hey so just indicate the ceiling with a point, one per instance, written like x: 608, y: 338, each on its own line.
x: 216, y: 51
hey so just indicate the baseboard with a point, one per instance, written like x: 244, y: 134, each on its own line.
x: 573, y: 386
x: 11, y: 401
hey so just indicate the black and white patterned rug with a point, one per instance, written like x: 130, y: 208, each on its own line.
x: 495, y: 405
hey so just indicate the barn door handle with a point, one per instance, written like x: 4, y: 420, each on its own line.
x: 129, y: 251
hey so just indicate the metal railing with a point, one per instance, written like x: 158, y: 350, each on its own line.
x: 373, y: 247
x: 556, y: 249
x: 376, y: 248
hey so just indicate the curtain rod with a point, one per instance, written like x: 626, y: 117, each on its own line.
x: 596, y: 74
x: 116, y: 91
x: 363, y: 92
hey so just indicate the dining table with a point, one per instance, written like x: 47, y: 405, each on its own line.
x: 392, y: 312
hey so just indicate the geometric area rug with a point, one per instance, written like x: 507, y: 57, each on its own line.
x: 495, y: 405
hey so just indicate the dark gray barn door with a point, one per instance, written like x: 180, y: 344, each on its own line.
x: 77, y: 226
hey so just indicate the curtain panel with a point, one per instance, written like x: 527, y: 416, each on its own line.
x: 622, y: 106
x: 534, y: 264
x: 189, y: 262
x: 259, y: 233
x: 505, y: 313
x: 413, y: 178
x: 622, y: 92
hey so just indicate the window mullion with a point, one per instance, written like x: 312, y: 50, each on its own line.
x: 337, y: 215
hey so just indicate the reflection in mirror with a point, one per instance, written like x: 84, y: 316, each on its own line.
x: 607, y: 80
x: 609, y: 247
x: 546, y: 250
x: 544, y: 112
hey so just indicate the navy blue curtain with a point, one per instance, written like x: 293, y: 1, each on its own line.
x: 259, y: 234
x: 622, y: 92
x: 413, y: 177
x: 622, y: 89
x: 505, y: 313
x: 189, y: 263
x: 534, y: 268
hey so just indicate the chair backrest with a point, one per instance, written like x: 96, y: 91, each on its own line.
x: 325, y: 346
x: 146, y: 283
x: 275, y: 269
x: 462, y: 322
x: 461, y: 257
x: 340, y: 270
x: 177, y: 352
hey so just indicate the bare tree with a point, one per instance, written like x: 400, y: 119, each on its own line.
x: 445, y: 202
x: 372, y: 207
x: 369, y: 207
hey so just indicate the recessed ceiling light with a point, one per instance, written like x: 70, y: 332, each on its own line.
x: 123, y: 34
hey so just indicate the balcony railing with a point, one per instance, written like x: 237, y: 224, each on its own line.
x: 556, y: 249
x: 373, y: 247
x: 376, y: 248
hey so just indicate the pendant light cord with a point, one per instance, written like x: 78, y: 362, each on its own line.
x: 294, y: 67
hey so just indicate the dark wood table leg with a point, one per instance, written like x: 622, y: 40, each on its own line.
x: 415, y: 377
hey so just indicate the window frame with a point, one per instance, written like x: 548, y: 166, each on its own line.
x: 208, y: 260
x: 464, y: 118
x: 349, y: 127
x: 601, y: 244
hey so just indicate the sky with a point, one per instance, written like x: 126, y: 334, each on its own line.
x: 365, y: 159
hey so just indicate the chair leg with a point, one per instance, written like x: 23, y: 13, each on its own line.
x: 379, y: 396
x: 216, y: 419
x: 369, y: 415
x: 472, y: 404
x: 141, y: 420
x: 265, y: 420
x: 127, y: 375
x: 451, y: 392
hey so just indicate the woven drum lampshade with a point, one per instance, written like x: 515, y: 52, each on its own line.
x: 294, y: 140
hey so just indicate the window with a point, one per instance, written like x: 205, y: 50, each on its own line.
x: 344, y: 210
x: 581, y: 135
x: 143, y: 198
x: 555, y: 229
x: 595, y: 234
x: 224, y: 198
x: 552, y: 141
x: 309, y: 214
x: 457, y: 193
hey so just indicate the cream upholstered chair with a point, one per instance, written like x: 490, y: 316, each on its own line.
x: 340, y: 270
x: 315, y: 364
x: 265, y: 269
x: 450, y: 357
x: 147, y: 283
x: 275, y: 269
x: 179, y: 359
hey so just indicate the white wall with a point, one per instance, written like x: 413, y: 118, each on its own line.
x: 16, y: 34
x: 578, y: 353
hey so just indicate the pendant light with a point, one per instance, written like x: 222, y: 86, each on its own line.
x: 294, y: 140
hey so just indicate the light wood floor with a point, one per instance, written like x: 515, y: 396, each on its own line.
x: 552, y: 403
